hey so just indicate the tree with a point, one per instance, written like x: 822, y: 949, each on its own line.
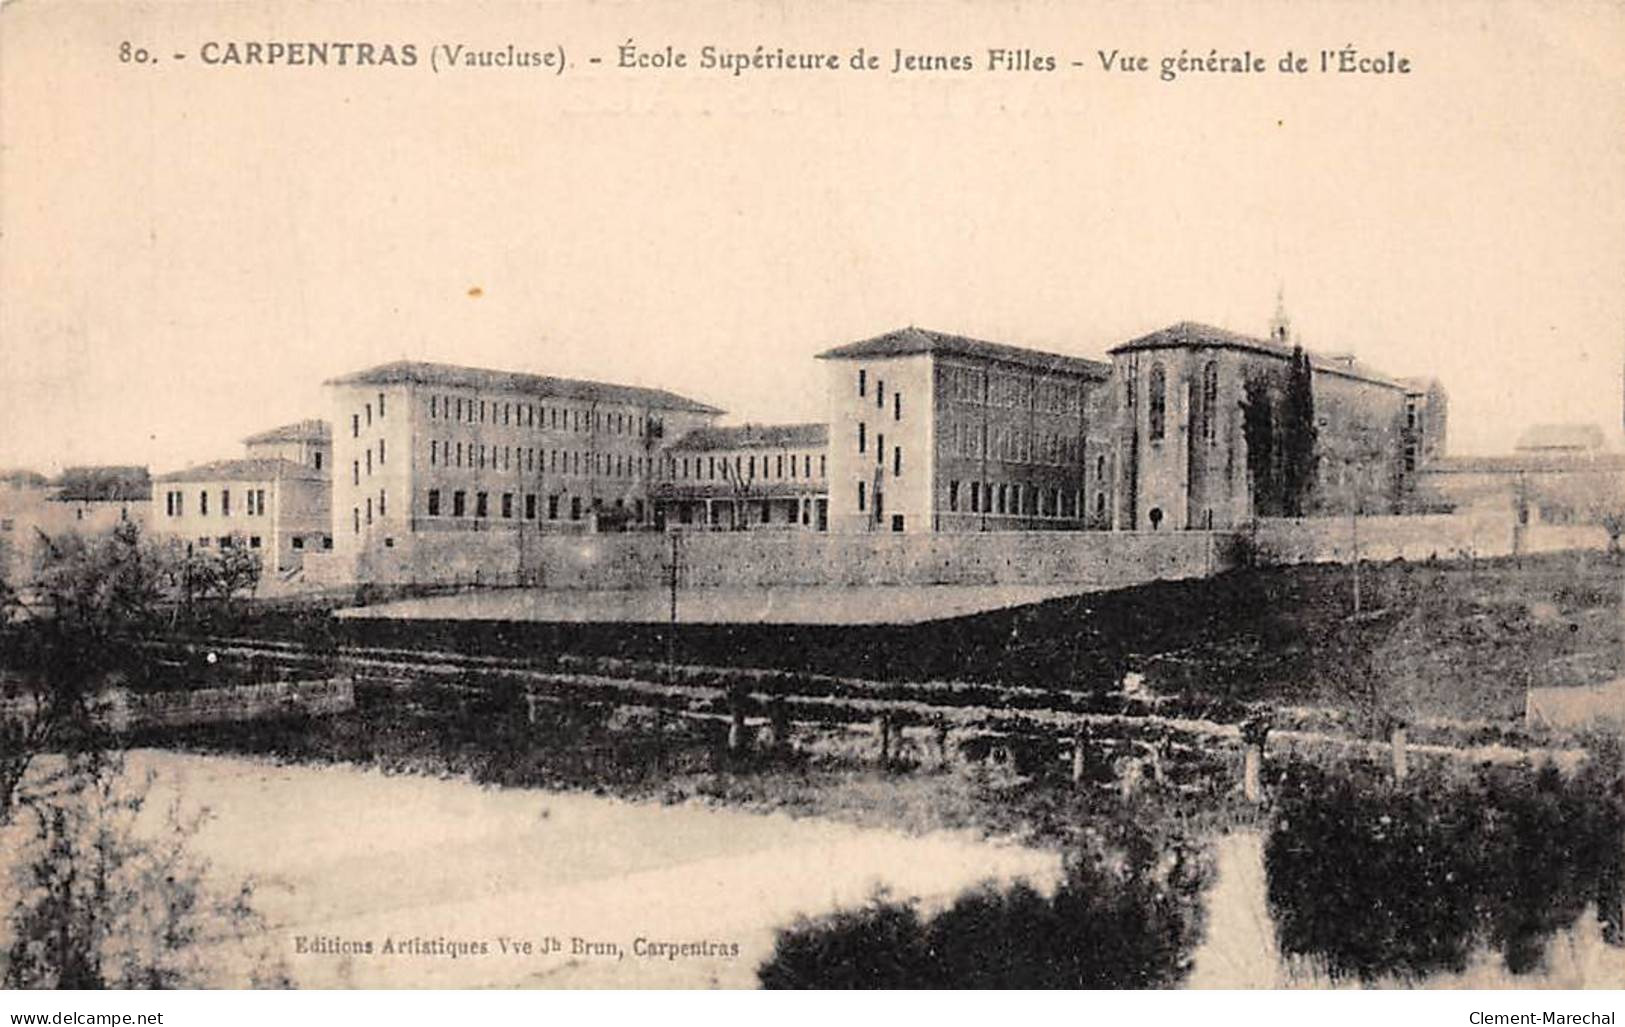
x: 91, y: 901
x: 1258, y: 430
x: 1298, y: 435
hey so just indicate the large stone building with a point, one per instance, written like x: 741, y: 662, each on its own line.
x: 1182, y: 438
x: 441, y: 472
x: 936, y: 432
x: 746, y: 476
x: 273, y: 506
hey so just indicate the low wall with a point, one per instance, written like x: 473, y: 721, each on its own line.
x: 751, y: 559
x: 1422, y: 537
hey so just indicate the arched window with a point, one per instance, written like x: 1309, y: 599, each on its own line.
x: 1210, y: 401
x: 1156, y: 397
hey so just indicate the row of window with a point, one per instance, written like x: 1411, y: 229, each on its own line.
x: 1014, y: 391
x: 531, y: 415
x: 507, y: 504
x: 1014, y: 445
x: 175, y: 502
x: 1016, y: 498
x: 355, y: 419
x: 445, y: 453
x: 880, y: 394
x: 1207, y: 403
x: 355, y: 466
x: 705, y: 468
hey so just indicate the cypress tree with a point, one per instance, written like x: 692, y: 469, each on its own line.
x: 1298, y: 435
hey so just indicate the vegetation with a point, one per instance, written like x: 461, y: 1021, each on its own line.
x: 1384, y: 880
x: 1128, y: 914
x: 91, y: 901
x: 1298, y: 435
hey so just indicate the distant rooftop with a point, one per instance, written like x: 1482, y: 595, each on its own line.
x: 1187, y: 334
x: 23, y: 478
x: 260, y: 469
x: 912, y: 341
x: 311, y: 430
x: 453, y: 376
x: 1561, y: 438
x: 755, y: 436
x: 1550, y: 460
x: 103, y: 484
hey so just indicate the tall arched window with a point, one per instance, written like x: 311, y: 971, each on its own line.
x: 1156, y: 396
x: 1210, y: 401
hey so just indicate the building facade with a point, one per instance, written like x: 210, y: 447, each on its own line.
x: 936, y: 432
x: 746, y: 476
x: 1182, y: 436
x: 440, y: 472
x: 276, y: 508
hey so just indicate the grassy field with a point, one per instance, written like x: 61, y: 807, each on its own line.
x: 1432, y: 639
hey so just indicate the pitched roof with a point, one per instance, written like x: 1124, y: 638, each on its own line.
x: 1560, y: 436
x: 912, y: 341
x: 755, y: 436
x: 101, y: 484
x: 261, y: 469
x: 454, y: 376
x: 310, y: 430
x: 1187, y: 334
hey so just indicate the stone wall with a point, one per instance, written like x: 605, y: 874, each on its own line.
x: 1443, y: 536
x: 749, y: 559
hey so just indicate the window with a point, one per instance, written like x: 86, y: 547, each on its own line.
x: 434, y: 451
x: 553, y: 507
x: 369, y: 415
x: 225, y: 542
x: 862, y: 436
x: 778, y: 464
x: 863, y: 381
x: 897, y: 461
x: 880, y: 449
x: 381, y: 504
x: 861, y: 496
x: 897, y: 522
x: 355, y: 520
x: 1100, y: 468
x: 897, y: 406
x: 821, y: 471
x: 298, y: 542
x: 1210, y: 402
x: 434, y: 406
x: 459, y: 454
x: 753, y: 468
x: 253, y: 541
x: 459, y: 503
x: 380, y: 405
x: 369, y: 509
x: 880, y: 393
x: 225, y: 502
x: 1156, y: 397
x: 355, y: 426
x: 953, y: 495
x: 1003, y: 490
x: 507, y: 504
x: 575, y: 508
x: 369, y: 461
x: 530, y: 506
x: 975, y: 497
x: 327, y: 541
x: 203, y: 502
x: 434, y: 502
x: 482, y: 507
x: 318, y: 456
x: 380, y: 451
x: 204, y: 543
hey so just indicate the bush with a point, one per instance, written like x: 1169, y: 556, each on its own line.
x: 1377, y: 879
x: 1127, y: 915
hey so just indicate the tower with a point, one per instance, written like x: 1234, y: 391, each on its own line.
x: 1281, y: 324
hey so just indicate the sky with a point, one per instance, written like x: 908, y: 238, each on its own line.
x: 187, y: 251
